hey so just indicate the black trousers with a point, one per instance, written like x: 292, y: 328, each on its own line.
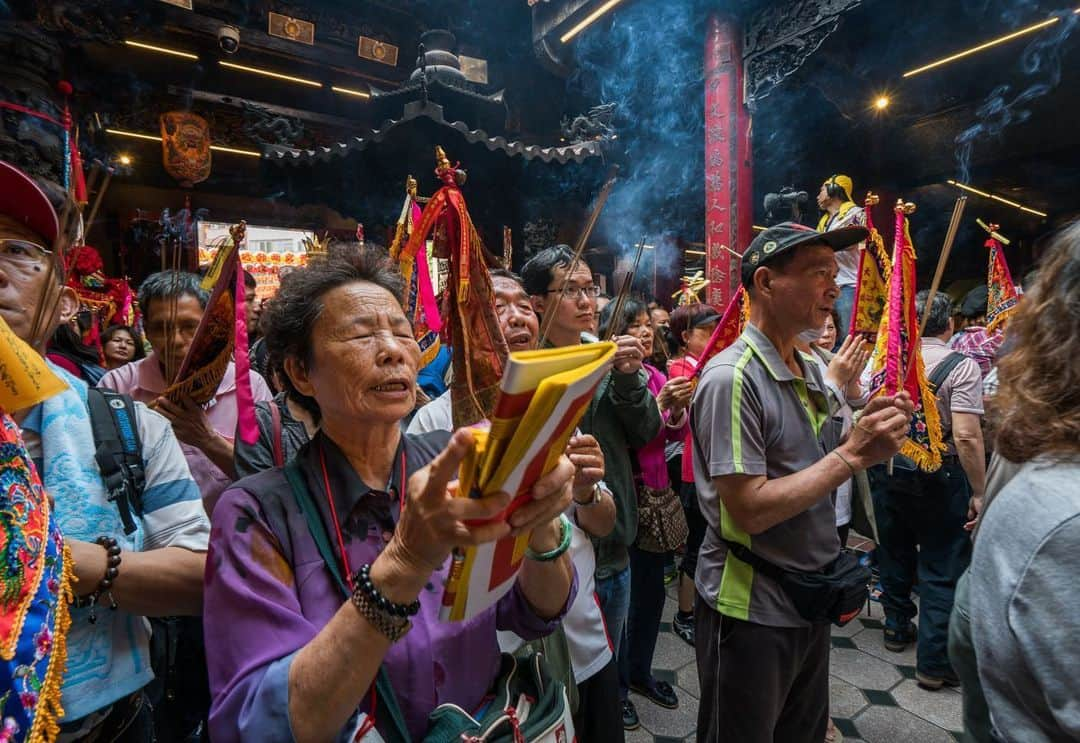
x: 760, y: 684
x: 643, y: 621
x: 599, y: 714
x: 696, y: 521
x: 920, y: 518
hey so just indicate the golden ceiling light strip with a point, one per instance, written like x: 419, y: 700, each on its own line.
x: 588, y: 20
x: 152, y: 138
x: 350, y: 91
x: 268, y: 73
x: 995, y: 197
x: 161, y: 49
x: 984, y: 46
x: 695, y: 252
x: 133, y: 135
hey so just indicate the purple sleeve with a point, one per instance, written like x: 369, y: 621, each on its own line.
x: 253, y: 625
x: 514, y: 614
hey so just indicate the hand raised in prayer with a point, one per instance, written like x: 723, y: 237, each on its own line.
x: 880, y: 431
x: 849, y: 361
x: 629, y: 354
x: 189, y: 421
x: 434, y: 521
x: 675, y: 394
x: 588, y: 459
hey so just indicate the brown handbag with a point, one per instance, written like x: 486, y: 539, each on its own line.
x: 661, y: 520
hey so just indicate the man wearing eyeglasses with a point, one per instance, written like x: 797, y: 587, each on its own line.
x: 623, y: 415
x: 122, y: 576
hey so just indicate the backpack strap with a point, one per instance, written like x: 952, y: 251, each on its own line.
x: 944, y: 369
x: 275, y: 434
x: 386, y: 701
x: 118, y: 451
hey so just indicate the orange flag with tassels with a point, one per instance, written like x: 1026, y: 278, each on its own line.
x: 897, y: 362
x: 470, y: 323
x: 728, y: 330
x: 871, y: 289
x: 1002, y: 298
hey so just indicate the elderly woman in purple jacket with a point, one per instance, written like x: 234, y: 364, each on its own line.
x: 291, y: 657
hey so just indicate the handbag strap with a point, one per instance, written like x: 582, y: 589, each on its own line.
x: 275, y: 433
x: 386, y: 700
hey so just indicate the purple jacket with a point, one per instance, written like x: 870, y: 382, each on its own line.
x: 268, y: 593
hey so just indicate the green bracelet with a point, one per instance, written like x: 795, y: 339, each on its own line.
x: 555, y: 554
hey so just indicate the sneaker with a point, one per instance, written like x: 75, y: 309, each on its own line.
x: 933, y: 682
x: 659, y: 693
x: 684, y: 628
x: 670, y: 574
x: 630, y: 719
x: 897, y: 640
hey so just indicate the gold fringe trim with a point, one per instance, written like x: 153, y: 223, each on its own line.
x: 215, y: 369
x: 1000, y: 319
x: 926, y: 460
x: 47, y: 721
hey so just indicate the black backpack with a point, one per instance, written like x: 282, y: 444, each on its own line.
x: 180, y: 691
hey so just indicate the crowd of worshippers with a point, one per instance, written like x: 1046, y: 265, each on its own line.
x: 225, y: 619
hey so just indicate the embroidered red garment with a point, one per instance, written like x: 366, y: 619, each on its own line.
x: 1002, y: 298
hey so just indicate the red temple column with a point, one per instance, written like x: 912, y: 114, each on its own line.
x: 728, y: 172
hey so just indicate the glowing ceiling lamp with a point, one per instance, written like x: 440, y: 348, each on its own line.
x: 995, y: 197
x: 124, y: 160
x: 350, y: 91
x: 268, y: 73
x: 161, y: 49
x: 986, y: 45
x: 588, y: 20
x: 881, y: 102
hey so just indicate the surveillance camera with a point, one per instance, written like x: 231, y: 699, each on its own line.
x: 229, y: 39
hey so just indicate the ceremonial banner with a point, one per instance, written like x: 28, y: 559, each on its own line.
x: 871, y: 289
x: 212, y: 348
x: 471, y: 324
x: 542, y: 398
x: 728, y: 330
x: 34, y: 596
x: 897, y: 362
x: 419, y: 301
x: 1001, y: 299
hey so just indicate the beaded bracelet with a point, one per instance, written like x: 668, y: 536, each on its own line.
x: 389, y: 618
x: 564, y: 544
x: 104, y: 587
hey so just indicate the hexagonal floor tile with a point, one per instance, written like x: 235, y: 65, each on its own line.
x: 863, y: 671
x: 943, y: 709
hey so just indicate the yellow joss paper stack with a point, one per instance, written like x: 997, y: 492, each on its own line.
x: 542, y: 397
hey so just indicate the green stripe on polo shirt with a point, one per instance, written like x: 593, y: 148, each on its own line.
x: 737, y: 580
x: 816, y: 416
x: 736, y: 411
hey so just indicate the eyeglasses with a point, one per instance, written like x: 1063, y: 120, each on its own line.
x: 573, y: 292
x: 23, y: 253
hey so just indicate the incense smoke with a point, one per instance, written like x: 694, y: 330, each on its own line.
x: 1042, y: 58
x: 649, y: 62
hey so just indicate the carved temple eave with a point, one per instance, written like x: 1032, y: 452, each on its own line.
x: 780, y: 38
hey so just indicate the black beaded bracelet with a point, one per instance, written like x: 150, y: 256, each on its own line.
x: 104, y: 587
x: 362, y: 585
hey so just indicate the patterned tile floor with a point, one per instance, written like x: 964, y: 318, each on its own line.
x: 873, y: 691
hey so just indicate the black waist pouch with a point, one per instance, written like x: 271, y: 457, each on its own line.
x: 835, y: 594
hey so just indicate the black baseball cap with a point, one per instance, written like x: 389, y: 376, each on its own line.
x: 974, y: 302
x: 708, y: 317
x: 787, y: 236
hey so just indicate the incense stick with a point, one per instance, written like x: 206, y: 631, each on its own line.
x: 97, y: 200
x: 579, y: 248
x: 624, y: 291
x: 950, y: 237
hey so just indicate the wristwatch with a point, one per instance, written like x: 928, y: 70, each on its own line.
x: 597, y: 496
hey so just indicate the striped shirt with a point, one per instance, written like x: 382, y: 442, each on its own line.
x: 752, y: 416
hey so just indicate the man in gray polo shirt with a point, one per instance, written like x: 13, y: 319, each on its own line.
x: 766, y: 463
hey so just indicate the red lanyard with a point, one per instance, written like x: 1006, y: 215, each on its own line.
x: 369, y: 723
